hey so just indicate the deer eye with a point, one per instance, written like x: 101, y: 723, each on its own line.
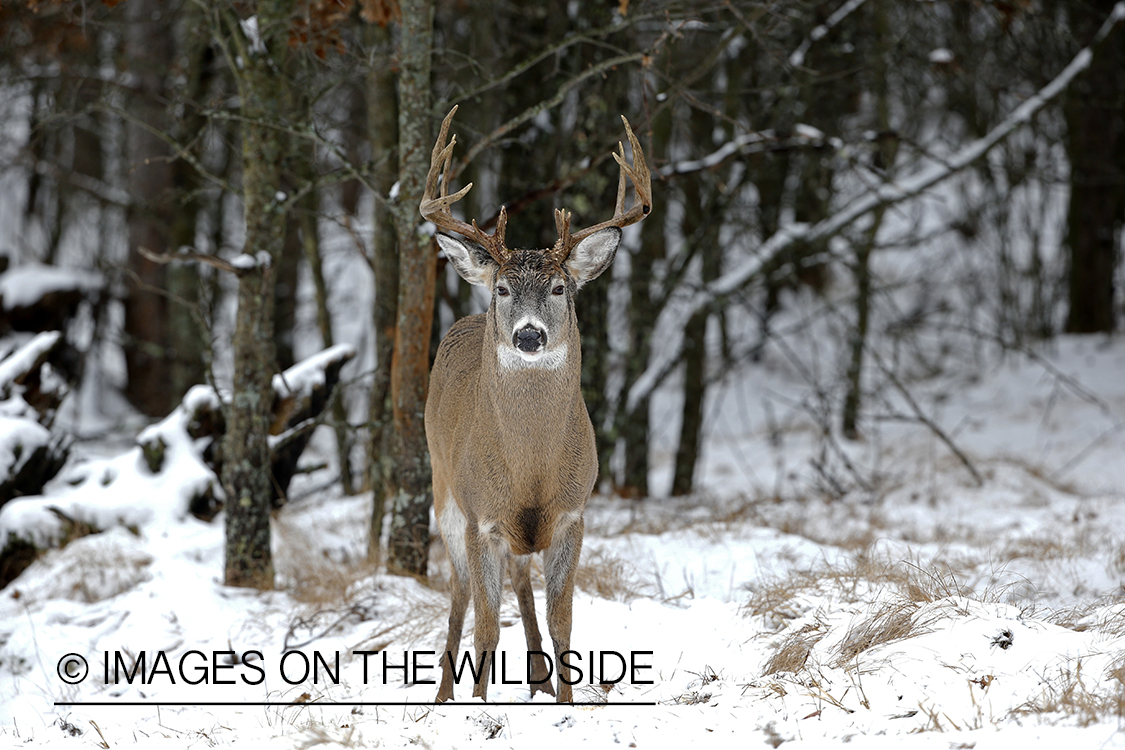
x: 558, y: 290
x: 502, y: 291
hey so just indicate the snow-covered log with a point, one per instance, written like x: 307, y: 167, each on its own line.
x: 30, y: 392
x: 37, y: 298
x: 171, y: 475
x: 27, y: 377
x: 301, y: 394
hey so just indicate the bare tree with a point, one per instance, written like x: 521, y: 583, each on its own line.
x: 1096, y: 147
x: 411, y: 491
x: 256, y: 49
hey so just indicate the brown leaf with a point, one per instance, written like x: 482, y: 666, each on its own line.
x: 381, y: 12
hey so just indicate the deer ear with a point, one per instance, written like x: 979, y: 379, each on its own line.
x: 593, y: 255
x: 471, y: 261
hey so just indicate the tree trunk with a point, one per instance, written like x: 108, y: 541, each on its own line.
x: 264, y: 95
x: 1096, y: 147
x: 592, y: 304
x: 695, y: 370
x: 382, y: 119
x: 410, y: 525
x: 286, y: 275
x: 162, y: 336
x: 701, y: 223
x: 888, y: 149
x: 633, y: 428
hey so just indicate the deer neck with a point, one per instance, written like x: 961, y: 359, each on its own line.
x: 532, y: 400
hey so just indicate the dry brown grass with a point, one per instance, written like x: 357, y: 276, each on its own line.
x: 608, y: 576
x: 774, y: 599
x: 893, y: 621
x: 793, y: 654
x: 702, y: 694
x: 91, y: 569
x: 1117, y: 559
x: 311, y: 574
x: 1071, y: 695
x: 1048, y: 548
x: 901, y: 590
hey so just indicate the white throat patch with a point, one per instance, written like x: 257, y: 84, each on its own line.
x: 515, y: 359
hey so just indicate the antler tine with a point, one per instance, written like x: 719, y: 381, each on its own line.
x: 562, y: 226
x: 641, y: 178
x: 438, y: 209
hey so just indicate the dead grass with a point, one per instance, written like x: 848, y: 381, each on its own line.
x: 700, y: 693
x: 1117, y: 559
x: 91, y: 569
x: 1085, y: 698
x: 607, y: 576
x: 793, y: 654
x: 311, y: 574
x: 775, y: 600
x: 900, y: 591
x: 894, y: 621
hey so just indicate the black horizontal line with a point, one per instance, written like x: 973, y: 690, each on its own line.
x: 290, y: 704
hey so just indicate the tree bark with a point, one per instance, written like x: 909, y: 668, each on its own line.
x: 1095, y: 144
x: 163, y: 340
x: 382, y: 119
x: 701, y: 223
x: 412, y: 492
x: 861, y: 270
x: 264, y: 95
x: 634, y: 426
x: 704, y: 229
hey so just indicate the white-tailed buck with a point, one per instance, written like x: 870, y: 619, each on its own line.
x: 512, y: 446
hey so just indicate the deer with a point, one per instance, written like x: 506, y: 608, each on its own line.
x: 511, y: 445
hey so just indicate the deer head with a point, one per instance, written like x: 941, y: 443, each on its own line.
x: 532, y: 289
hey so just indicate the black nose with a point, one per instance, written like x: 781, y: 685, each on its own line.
x: 528, y: 339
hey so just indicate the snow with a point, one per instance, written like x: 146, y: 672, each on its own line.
x: 119, y: 492
x: 244, y: 262
x: 19, y: 438
x: 253, y: 35
x: 939, y: 615
x: 24, y: 285
x: 21, y: 360
x: 923, y: 611
x: 303, y: 377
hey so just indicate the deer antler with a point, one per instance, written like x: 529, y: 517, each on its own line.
x: 437, y: 209
x: 642, y: 199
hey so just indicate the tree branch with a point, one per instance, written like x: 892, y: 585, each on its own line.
x: 886, y: 195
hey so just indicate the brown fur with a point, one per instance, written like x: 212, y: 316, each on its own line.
x: 511, y: 444
x: 515, y: 449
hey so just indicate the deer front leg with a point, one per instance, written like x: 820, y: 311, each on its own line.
x: 519, y: 568
x: 486, y: 568
x: 561, y: 563
x: 453, y: 639
x: 452, y: 524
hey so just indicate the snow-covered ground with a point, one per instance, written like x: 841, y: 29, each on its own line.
x: 915, y: 609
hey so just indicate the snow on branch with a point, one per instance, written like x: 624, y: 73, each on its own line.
x: 17, y: 366
x: 885, y: 195
x: 750, y: 143
x: 797, y: 58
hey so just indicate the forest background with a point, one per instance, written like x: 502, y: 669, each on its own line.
x: 942, y: 179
